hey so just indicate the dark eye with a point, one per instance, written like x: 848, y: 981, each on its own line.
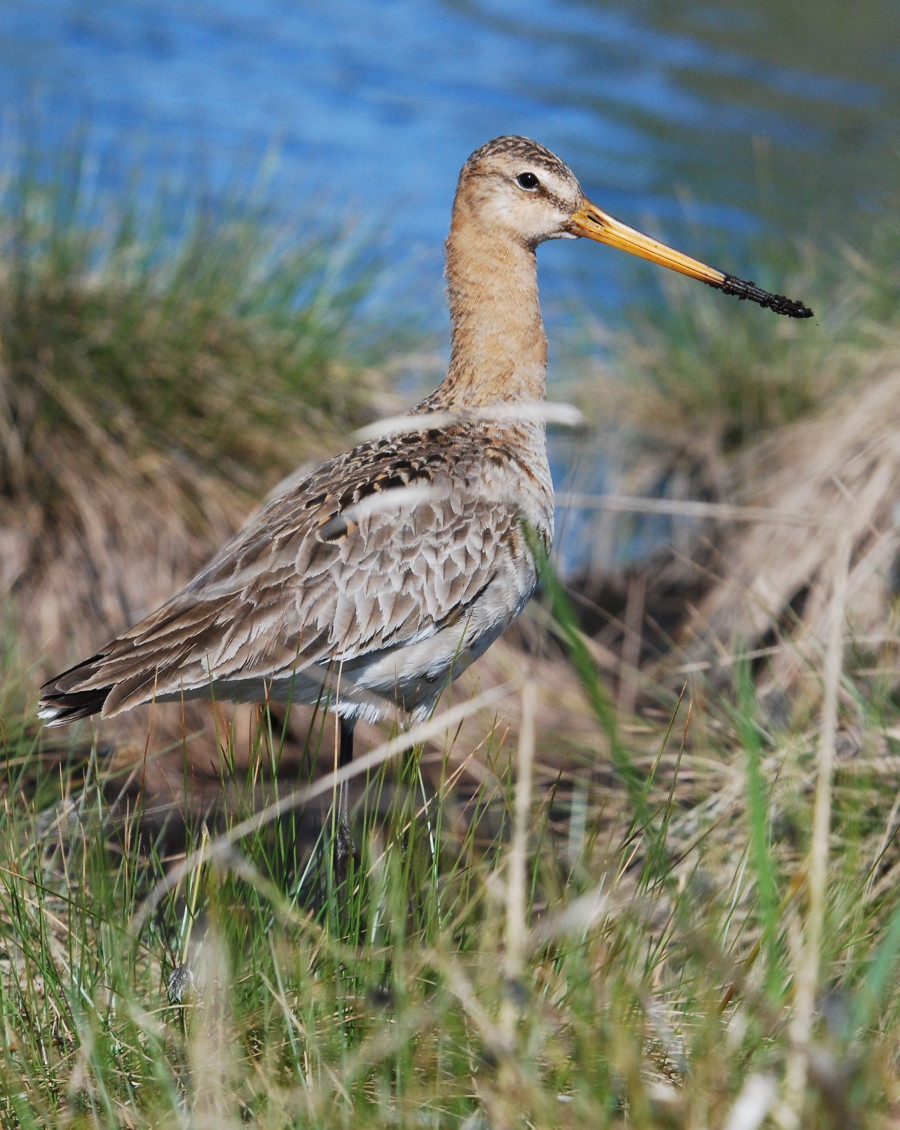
x: 527, y: 180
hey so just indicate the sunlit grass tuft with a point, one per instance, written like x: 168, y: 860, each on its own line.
x: 170, y: 323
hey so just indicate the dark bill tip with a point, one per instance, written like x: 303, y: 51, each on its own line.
x: 790, y: 307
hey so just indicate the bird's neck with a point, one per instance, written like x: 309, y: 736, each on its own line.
x: 498, y: 350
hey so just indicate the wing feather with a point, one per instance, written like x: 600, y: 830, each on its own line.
x: 345, y: 563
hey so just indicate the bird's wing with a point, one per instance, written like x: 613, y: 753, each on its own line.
x: 378, y: 548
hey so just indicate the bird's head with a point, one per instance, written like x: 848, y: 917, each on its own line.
x: 520, y: 190
x: 526, y: 194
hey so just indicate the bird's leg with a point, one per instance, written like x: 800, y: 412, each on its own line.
x: 343, y: 841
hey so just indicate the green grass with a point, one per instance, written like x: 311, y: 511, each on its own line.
x: 537, y: 964
x: 166, y: 323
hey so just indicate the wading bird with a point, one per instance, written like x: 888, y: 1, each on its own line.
x: 376, y: 579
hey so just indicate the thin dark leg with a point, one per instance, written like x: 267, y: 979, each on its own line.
x: 343, y: 841
x: 345, y: 753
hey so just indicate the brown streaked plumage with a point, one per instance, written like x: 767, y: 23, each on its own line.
x: 379, y: 577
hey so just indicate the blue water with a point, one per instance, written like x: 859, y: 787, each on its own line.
x: 762, y: 118
x: 709, y: 122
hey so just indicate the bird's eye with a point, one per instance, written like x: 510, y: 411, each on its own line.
x: 527, y: 180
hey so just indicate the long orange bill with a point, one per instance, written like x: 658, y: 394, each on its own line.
x: 594, y: 223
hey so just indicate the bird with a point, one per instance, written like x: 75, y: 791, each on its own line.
x: 373, y: 581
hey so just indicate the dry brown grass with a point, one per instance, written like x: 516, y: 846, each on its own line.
x: 832, y: 477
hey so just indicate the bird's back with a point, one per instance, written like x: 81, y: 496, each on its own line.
x: 374, y: 580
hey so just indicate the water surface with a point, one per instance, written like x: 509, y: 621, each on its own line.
x: 763, y: 115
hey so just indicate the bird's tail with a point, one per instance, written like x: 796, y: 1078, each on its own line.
x: 70, y: 696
